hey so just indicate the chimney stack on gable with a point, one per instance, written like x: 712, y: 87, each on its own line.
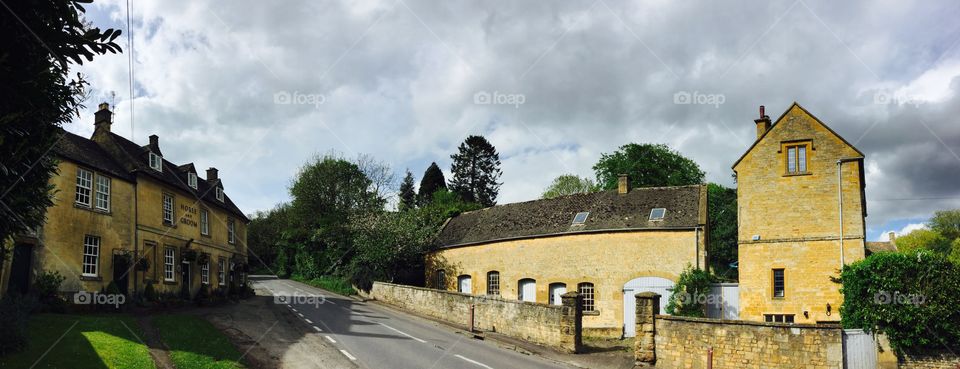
x: 154, y: 142
x: 211, y: 174
x: 893, y: 236
x: 623, y: 184
x: 102, y: 119
x: 763, y: 124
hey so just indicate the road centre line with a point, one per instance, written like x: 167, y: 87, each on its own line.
x: 350, y: 356
x: 473, y: 361
x: 403, y: 333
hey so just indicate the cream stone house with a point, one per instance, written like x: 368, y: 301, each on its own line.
x: 801, y: 209
x: 607, y: 245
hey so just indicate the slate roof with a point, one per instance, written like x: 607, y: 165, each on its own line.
x: 609, y: 211
x: 132, y: 159
x: 874, y: 247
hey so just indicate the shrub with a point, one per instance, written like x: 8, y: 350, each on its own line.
x: 910, y: 297
x: 688, y: 295
x: 47, y: 285
x: 203, y: 295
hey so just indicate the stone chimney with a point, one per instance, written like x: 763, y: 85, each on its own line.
x: 211, y: 174
x: 763, y: 124
x: 154, y: 141
x: 893, y: 236
x: 102, y: 119
x: 623, y: 184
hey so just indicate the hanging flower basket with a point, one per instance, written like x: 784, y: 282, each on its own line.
x: 203, y: 259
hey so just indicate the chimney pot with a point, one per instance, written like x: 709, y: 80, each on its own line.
x: 102, y: 119
x: 763, y: 124
x: 762, y: 112
x: 154, y: 140
x: 211, y: 174
x: 893, y: 236
x: 623, y: 184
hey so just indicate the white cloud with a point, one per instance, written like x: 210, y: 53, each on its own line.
x: 885, y: 236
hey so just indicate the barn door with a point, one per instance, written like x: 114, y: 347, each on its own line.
x: 661, y: 286
x: 464, y: 284
x: 859, y: 350
x: 528, y: 290
x: 557, y: 290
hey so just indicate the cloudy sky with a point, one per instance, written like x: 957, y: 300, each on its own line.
x: 256, y: 88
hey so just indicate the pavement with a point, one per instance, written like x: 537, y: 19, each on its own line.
x: 373, y: 336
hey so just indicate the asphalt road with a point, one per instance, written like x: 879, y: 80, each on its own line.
x: 376, y: 337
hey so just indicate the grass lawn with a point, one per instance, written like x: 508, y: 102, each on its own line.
x: 96, y: 341
x: 195, y: 343
x: 333, y: 284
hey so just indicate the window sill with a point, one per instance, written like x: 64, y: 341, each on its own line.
x: 91, y: 209
x: 592, y: 313
x: 170, y: 282
x: 205, y: 235
x: 165, y: 224
x: 90, y: 278
x: 798, y: 174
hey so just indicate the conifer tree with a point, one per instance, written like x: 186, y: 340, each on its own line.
x: 476, y: 169
x: 408, y: 195
x: 431, y: 182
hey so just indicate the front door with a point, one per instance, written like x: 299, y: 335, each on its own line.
x: 185, y: 276
x: 121, y: 272
x: 20, y: 269
x: 661, y: 286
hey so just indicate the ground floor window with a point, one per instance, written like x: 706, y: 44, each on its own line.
x: 778, y: 318
x: 222, y: 271
x: 205, y: 273
x: 493, y: 283
x: 586, y: 291
x: 91, y: 255
x: 169, y: 256
x: 441, y: 279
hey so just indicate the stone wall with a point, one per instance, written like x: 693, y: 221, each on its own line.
x: 557, y: 326
x: 930, y: 360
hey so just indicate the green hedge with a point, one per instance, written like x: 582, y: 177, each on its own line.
x: 911, y: 297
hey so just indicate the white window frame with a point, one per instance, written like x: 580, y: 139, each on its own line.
x: 589, y: 292
x: 102, y: 193
x: 219, y: 194
x: 169, y: 220
x: 156, y: 162
x: 493, y: 279
x: 91, y: 256
x: 204, y: 222
x: 169, y: 260
x: 221, y: 271
x: 205, y: 272
x: 192, y: 180
x: 231, y: 231
x: 652, y: 219
x: 84, y: 191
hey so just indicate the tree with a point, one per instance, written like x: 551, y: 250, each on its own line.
x: 947, y: 223
x: 328, y: 188
x: 431, y: 182
x: 264, y: 232
x: 408, y: 195
x: 923, y: 239
x: 40, y: 43
x: 383, y: 180
x: 476, y: 169
x: 689, y: 294
x: 647, y: 165
x: 722, y: 223
x: 568, y: 184
x: 954, y: 256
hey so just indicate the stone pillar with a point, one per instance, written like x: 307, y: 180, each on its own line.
x: 645, y: 348
x: 571, y: 323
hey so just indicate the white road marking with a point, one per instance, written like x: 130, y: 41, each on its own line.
x: 317, y: 329
x: 350, y: 356
x: 301, y: 315
x: 474, y: 362
x: 308, y: 321
x: 401, y: 332
x: 330, y: 339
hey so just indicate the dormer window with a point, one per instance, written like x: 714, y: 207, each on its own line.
x: 192, y: 180
x: 657, y: 213
x: 156, y: 162
x: 219, y: 194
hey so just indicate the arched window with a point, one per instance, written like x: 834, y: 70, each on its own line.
x: 441, y: 279
x: 586, y: 291
x: 557, y: 289
x: 527, y: 290
x: 493, y: 283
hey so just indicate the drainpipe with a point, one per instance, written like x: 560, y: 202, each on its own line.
x: 840, y: 201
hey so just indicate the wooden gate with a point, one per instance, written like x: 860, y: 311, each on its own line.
x: 859, y: 350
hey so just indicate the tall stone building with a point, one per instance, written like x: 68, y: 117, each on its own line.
x: 801, y: 207
x: 607, y: 245
x: 124, y: 214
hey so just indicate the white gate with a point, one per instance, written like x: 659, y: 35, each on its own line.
x: 724, y: 301
x: 463, y: 284
x: 859, y: 350
x: 661, y: 286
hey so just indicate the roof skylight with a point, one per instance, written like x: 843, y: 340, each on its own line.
x: 657, y: 213
x: 581, y: 217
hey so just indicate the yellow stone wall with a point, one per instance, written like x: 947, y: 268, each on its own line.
x: 796, y: 218
x: 608, y: 260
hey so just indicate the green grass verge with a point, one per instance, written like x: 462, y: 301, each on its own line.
x: 332, y: 284
x: 195, y: 343
x: 96, y: 341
